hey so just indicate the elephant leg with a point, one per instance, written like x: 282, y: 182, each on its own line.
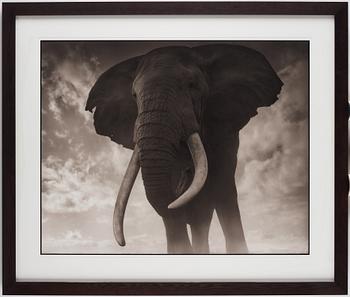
x: 200, y: 213
x: 200, y: 237
x: 231, y: 223
x: 178, y: 241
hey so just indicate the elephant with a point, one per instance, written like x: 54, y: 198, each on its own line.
x: 180, y: 110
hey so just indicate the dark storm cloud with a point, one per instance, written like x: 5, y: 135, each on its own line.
x: 82, y: 171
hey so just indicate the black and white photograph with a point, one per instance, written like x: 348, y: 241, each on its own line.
x: 175, y: 147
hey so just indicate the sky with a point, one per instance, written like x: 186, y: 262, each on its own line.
x: 82, y: 171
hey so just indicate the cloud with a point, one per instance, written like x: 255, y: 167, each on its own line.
x: 62, y: 134
x: 67, y: 187
x: 274, y: 145
x: 44, y: 220
x: 85, y: 181
x: 72, y: 241
x: 83, y: 241
x: 67, y: 77
x: 77, y: 164
x: 103, y: 220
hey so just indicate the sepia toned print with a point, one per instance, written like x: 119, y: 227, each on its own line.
x: 219, y: 130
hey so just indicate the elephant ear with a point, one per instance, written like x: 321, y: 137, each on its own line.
x: 240, y: 81
x: 115, y: 108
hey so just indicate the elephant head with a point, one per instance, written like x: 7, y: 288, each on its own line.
x: 170, y: 106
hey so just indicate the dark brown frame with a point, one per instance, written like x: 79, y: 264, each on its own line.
x: 339, y: 10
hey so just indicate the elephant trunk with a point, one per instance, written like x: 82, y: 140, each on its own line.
x: 158, y: 134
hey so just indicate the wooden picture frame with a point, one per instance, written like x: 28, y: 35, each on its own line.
x: 338, y: 10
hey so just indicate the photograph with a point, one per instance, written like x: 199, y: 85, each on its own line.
x: 175, y: 147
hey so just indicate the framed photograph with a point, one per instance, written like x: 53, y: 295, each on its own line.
x: 175, y: 148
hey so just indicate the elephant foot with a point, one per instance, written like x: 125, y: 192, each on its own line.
x: 200, y: 234
x: 178, y: 241
x: 202, y: 248
x: 237, y: 247
x: 179, y: 248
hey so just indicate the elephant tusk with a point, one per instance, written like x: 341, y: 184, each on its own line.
x: 199, y: 158
x: 123, y: 196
